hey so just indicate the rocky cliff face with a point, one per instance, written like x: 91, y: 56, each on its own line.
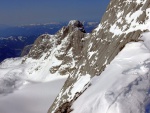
x: 62, y: 51
x: 123, y: 22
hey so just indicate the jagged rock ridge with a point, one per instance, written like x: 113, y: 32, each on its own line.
x: 123, y: 22
x: 62, y: 50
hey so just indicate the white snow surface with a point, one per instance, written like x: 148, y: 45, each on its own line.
x: 124, y: 86
x: 32, y: 98
x: 82, y: 81
x: 24, y: 92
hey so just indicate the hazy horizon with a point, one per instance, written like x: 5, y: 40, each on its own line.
x: 46, y: 11
x: 53, y: 23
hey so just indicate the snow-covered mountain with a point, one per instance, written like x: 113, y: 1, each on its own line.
x: 51, y: 59
x: 123, y: 22
x: 106, y: 71
x: 14, y: 39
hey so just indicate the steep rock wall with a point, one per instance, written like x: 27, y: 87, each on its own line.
x: 123, y: 22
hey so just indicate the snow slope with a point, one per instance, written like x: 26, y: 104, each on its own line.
x: 20, y: 93
x: 124, y: 86
x: 32, y: 98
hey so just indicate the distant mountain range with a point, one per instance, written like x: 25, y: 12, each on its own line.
x: 14, y: 38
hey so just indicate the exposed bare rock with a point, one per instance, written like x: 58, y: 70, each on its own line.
x: 123, y: 22
x: 62, y: 50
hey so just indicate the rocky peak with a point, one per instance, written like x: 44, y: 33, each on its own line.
x: 62, y: 50
x: 73, y: 33
x: 76, y: 24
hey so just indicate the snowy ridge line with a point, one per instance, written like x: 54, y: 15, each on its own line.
x: 129, y: 80
x: 83, y: 83
x: 76, y: 96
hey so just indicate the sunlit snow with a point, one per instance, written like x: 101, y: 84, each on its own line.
x: 124, y: 85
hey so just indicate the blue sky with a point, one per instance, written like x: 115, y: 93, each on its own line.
x: 20, y: 12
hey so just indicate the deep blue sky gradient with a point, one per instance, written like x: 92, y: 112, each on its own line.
x: 21, y: 12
